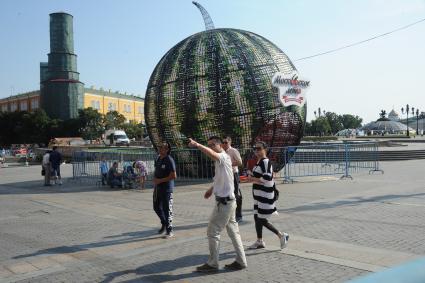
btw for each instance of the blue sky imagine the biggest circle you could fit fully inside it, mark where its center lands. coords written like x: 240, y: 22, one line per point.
x: 118, y: 44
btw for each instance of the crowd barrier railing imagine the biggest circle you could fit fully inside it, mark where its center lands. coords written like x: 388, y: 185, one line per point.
x: 292, y: 162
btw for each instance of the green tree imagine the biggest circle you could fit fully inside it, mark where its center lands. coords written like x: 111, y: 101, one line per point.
x: 90, y: 123
x: 134, y: 130
x: 334, y: 122
x: 114, y: 120
x: 308, y: 129
x: 382, y: 116
x: 350, y: 121
x: 320, y: 126
x: 25, y: 127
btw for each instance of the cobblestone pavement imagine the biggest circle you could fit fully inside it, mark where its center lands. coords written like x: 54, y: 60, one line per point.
x: 339, y: 229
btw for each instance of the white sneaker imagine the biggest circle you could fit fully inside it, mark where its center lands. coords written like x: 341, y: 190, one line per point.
x: 284, y: 240
x: 168, y: 235
x: 257, y: 245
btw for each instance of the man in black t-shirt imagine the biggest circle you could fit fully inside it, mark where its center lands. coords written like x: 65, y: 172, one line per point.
x: 55, y: 161
x: 164, y: 175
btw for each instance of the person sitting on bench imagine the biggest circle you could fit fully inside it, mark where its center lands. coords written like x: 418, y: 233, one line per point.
x: 114, y: 177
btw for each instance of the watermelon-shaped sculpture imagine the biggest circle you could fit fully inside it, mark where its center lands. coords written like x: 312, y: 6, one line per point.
x: 225, y: 82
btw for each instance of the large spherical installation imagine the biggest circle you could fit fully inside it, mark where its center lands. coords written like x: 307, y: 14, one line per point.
x: 219, y: 82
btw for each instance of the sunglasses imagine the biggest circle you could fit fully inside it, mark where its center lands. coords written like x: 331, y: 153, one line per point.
x: 257, y: 148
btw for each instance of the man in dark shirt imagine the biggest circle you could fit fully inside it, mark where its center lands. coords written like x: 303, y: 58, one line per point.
x: 55, y: 160
x: 114, y: 177
x: 164, y: 175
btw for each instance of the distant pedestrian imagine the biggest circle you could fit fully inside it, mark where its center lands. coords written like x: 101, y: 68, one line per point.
x: 235, y: 156
x: 142, y: 172
x: 264, y: 193
x: 104, y: 171
x: 164, y: 175
x: 55, y: 161
x: 47, y: 168
x: 223, y: 215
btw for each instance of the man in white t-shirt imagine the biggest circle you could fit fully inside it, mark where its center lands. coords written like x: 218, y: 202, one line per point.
x: 223, y: 215
x: 235, y: 156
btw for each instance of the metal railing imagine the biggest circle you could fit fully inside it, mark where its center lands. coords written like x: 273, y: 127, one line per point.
x: 330, y: 160
x: 193, y: 166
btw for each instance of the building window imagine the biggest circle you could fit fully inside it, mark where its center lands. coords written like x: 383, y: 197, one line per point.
x: 127, y: 108
x: 4, y: 108
x: 34, y: 104
x: 141, y: 110
x: 95, y: 104
x: 112, y: 106
x: 13, y: 106
x: 23, y: 106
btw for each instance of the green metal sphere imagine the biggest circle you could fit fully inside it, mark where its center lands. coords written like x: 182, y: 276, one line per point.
x: 219, y: 82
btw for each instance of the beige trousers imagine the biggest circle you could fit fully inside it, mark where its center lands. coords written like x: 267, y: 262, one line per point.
x: 223, y: 216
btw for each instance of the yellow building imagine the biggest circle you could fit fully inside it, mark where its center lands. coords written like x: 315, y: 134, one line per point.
x: 28, y: 101
x: 132, y: 107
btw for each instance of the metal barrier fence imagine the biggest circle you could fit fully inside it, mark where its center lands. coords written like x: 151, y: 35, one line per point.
x: 193, y: 166
x: 330, y: 160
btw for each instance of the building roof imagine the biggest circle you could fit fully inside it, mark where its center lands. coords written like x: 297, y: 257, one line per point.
x: 86, y: 90
x: 113, y: 94
x: 393, y: 114
x: 387, y: 126
x: 21, y: 95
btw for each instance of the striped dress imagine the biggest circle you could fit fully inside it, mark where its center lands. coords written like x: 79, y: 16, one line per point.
x: 264, y: 203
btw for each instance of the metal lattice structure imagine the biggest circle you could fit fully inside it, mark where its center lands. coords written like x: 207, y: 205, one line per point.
x: 207, y: 19
x: 219, y: 82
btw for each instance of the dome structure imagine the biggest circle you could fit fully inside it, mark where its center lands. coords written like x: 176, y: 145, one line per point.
x: 219, y: 82
x: 393, y: 116
x: 391, y: 127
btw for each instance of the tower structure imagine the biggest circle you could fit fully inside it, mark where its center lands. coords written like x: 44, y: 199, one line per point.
x: 61, y: 92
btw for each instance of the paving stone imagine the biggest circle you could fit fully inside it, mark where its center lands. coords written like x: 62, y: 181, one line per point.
x: 79, y: 233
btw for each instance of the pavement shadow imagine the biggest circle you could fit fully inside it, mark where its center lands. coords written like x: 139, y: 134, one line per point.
x: 37, y: 187
x: 137, y: 237
x: 123, y: 238
x: 151, y: 270
x: 140, y: 234
x: 353, y: 201
x: 71, y: 185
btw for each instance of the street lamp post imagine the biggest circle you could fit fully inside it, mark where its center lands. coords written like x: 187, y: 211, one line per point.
x: 417, y: 121
x: 407, y: 117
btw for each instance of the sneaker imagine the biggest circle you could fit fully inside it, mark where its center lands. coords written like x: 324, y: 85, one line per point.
x: 284, y: 240
x: 206, y: 268
x: 160, y: 231
x: 257, y: 245
x: 234, y: 266
x: 60, y: 183
x: 168, y: 235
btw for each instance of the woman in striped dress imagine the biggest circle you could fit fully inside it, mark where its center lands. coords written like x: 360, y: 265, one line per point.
x: 264, y: 197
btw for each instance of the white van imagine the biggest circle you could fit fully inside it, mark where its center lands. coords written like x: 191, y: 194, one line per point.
x: 116, y: 137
